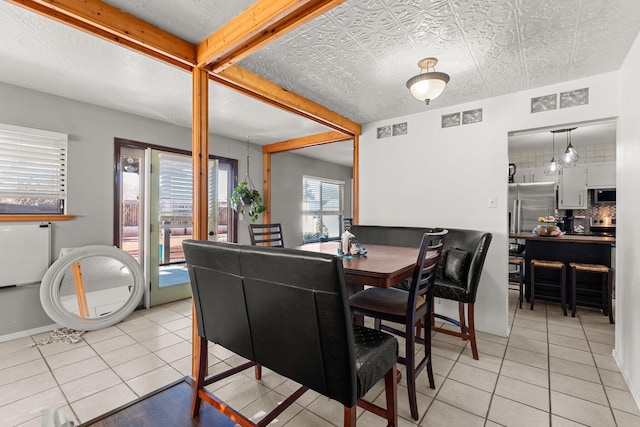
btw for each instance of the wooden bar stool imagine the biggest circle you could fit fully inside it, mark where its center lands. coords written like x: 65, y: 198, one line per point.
x: 607, y: 285
x: 518, y: 275
x: 555, y: 265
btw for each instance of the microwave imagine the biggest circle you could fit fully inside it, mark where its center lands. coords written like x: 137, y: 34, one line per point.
x: 604, y: 195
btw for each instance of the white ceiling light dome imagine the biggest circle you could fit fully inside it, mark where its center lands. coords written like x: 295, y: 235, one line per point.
x: 430, y: 84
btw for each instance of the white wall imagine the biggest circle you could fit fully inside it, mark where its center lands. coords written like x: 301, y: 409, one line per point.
x: 445, y: 177
x: 627, y: 349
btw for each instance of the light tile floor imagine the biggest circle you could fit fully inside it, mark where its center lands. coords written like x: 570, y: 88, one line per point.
x: 551, y: 370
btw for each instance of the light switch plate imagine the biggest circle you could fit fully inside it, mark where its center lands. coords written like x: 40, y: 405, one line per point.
x: 493, y: 201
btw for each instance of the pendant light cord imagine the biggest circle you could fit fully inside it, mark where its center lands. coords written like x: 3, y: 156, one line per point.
x: 248, y: 177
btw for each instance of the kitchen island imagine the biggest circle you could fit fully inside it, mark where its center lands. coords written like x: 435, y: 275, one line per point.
x: 567, y: 248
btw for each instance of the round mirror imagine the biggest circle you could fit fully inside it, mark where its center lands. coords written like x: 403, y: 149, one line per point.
x: 92, y: 287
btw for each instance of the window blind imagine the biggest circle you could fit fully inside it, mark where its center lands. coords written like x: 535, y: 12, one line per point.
x: 176, y: 187
x: 33, y: 170
x: 322, y: 208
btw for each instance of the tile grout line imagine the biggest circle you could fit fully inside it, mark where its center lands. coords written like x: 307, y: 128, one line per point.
x: 597, y: 369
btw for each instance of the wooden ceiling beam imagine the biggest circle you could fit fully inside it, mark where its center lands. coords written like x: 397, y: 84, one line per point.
x: 262, y: 89
x: 256, y: 26
x: 306, y: 141
x: 98, y: 18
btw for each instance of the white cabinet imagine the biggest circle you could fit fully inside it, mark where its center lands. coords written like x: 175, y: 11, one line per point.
x: 601, y: 175
x: 573, y: 188
x: 533, y: 175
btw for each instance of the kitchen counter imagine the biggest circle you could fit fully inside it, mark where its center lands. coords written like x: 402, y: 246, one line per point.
x: 566, y: 238
x: 566, y: 249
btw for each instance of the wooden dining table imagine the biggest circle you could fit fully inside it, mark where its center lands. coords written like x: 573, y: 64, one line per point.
x: 383, y: 266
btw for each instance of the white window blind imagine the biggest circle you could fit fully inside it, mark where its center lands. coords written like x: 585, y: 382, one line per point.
x: 33, y: 170
x: 176, y: 188
x: 322, y: 208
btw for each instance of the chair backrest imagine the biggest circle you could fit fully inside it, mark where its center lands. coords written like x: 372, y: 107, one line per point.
x: 287, y: 310
x: 477, y: 243
x: 346, y: 223
x: 424, y: 273
x: 266, y: 235
x: 390, y: 235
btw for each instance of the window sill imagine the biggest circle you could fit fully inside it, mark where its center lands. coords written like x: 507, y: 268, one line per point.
x: 35, y: 217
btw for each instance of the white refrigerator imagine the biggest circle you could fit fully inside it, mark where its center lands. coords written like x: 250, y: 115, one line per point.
x: 529, y: 201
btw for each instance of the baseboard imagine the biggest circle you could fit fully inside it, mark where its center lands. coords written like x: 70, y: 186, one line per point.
x: 635, y: 393
x: 28, y: 332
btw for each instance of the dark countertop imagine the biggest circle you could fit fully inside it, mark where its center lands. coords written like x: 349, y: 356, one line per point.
x: 566, y: 238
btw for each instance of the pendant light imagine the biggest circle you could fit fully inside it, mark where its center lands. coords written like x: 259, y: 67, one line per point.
x: 570, y: 156
x: 430, y: 84
x: 553, y: 167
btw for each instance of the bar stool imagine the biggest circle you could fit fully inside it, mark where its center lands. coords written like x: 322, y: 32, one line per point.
x: 607, y: 285
x: 555, y: 265
x: 517, y: 276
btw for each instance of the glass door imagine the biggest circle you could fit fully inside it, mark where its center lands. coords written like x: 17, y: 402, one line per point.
x: 154, y: 213
x: 171, y: 222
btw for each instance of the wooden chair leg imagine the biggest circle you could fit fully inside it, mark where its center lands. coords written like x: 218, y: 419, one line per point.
x: 532, y: 287
x: 521, y: 283
x: 391, y: 393
x: 427, y: 349
x: 410, y: 365
x: 563, y: 290
x: 201, y: 371
x: 463, y: 323
x: 610, y: 295
x: 573, y: 291
x: 258, y: 372
x: 605, y: 294
x: 350, y: 416
x: 472, y: 331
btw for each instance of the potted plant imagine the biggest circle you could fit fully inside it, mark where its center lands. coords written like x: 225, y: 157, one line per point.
x: 246, y: 199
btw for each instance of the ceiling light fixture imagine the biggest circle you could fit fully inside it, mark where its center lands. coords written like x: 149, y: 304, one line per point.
x: 570, y: 157
x: 553, y: 167
x: 430, y: 84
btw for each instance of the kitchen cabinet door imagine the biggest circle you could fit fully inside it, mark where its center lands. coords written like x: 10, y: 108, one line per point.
x: 538, y: 175
x: 601, y: 175
x: 573, y: 188
x: 532, y: 175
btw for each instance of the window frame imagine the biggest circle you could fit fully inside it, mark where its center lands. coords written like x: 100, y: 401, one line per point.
x: 320, y: 212
x: 57, y: 150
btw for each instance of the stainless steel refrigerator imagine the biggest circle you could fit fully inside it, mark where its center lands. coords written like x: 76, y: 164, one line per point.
x: 527, y: 202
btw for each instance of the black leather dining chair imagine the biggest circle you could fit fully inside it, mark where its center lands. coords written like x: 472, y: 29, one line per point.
x: 408, y: 309
x: 286, y: 310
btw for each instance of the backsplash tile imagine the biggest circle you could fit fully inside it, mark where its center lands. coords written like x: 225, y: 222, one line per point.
x: 596, y: 153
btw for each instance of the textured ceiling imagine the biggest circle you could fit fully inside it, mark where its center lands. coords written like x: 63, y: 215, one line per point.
x: 354, y: 59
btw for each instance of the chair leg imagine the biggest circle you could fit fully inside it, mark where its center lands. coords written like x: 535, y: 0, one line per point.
x: 391, y: 392
x: 563, y: 290
x: 377, y: 323
x: 350, y: 416
x: 410, y: 365
x: 532, y: 287
x: 604, y: 293
x: 472, y: 331
x: 463, y: 323
x: 258, y: 372
x: 610, y: 295
x: 573, y: 291
x: 427, y: 349
x: 201, y: 371
x: 521, y: 282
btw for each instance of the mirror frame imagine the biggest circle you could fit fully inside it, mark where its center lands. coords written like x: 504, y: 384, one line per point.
x: 50, y: 286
